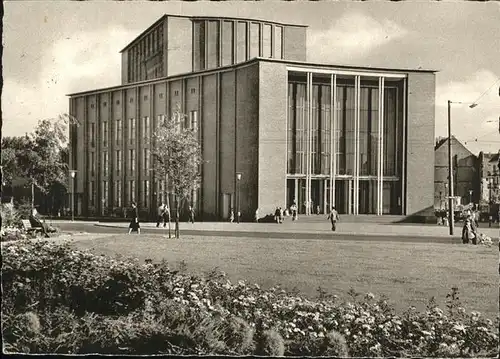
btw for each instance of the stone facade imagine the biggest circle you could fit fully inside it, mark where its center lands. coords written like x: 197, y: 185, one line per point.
x: 241, y: 111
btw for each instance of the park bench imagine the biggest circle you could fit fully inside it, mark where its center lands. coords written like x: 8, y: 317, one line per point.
x: 29, y: 228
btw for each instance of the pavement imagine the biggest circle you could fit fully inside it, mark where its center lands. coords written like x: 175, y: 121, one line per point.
x: 293, y: 229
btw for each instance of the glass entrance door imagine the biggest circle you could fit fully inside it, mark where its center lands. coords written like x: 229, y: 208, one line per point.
x: 318, y: 194
x: 342, y: 195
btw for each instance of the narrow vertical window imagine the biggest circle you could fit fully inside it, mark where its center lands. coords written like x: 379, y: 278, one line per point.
x: 118, y: 193
x: 227, y: 43
x: 193, y: 120
x: 118, y: 132
x: 91, y: 193
x: 213, y: 44
x: 254, y: 40
x: 105, y: 163
x: 131, y: 131
x: 92, y: 134
x: 132, y: 161
x: 266, y: 41
x: 131, y: 192
x: 278, y: 42
x: 199, y: 45
x: 104, y: 194
x: 146, y: 161
x: 104, y: 133
x: 146, y: 128
x: 92, y: 163
x: 241, y: 49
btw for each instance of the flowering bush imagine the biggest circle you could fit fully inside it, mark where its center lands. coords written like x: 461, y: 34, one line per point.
x: 11, y: 217
x: 12, y: 234
x: 78, y: 302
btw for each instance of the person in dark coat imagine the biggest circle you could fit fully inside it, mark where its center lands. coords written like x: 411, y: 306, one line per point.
x: 277, y: 215
x: 134, y: 220
x: 293, y: 209
x: 191, y: 214
x: 161, y: 216
x: 36, y: 222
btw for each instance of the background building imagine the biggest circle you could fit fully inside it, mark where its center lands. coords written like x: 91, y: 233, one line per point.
x: 316, y: 134
x: 489, y: 172
x: 465, y: 174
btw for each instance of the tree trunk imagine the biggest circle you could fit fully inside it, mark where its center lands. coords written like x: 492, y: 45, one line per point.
x: 169, y: 222
x: 177, y: 234
x: 32, y: 194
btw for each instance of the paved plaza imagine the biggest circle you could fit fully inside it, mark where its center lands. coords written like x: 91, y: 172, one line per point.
x: 306, y: 227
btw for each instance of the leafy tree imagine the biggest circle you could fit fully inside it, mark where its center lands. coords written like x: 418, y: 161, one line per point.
x: 40, y: 157
x: 177, y: 156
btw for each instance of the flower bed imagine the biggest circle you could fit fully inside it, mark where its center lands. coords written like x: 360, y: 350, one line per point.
x: 60, y: 300
x: 13, y: 234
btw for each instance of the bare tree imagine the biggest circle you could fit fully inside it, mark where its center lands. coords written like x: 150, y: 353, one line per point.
x: 177, y: 157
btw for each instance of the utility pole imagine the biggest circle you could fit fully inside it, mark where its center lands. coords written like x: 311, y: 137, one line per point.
x: 450, y: 174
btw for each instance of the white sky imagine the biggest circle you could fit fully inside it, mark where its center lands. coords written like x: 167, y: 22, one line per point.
x: 53, y: 48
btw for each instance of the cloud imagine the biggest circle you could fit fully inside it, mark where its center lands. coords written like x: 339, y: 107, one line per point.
x: 84, y: 61
x: 352, y: 37
x: 477, y: 127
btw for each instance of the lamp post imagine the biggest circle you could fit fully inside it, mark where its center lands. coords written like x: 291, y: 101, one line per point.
x: 451, y: 212
x: 490, y: 187
x: 238, y: 179
x: 445, y: 191
x: 450, y: 174
x: 72, y: 174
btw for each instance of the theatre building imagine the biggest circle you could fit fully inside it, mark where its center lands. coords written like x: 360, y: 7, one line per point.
x: 361, y: 139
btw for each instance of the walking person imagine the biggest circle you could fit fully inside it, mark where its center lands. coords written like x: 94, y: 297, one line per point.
x: 161, y: 215
x: 333, y: 216
x: 191, y: 214
x: 256, y: 215
x: 277, y: 215
x: 231, y: 216
x: 134, y: 220
x: 293, y: 209
x: 281, y: 215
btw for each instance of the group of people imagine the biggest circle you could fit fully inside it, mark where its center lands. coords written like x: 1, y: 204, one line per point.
x: 163, y: 215
x: 469, y: 230
x: 279, y: 215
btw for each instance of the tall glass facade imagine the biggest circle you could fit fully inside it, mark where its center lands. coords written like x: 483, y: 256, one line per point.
x: 344, y: 143
x: 227, y: 42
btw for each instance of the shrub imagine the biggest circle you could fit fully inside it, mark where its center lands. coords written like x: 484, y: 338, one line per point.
x: 334, y: 344
x: 271, y: 344
x: 10, y: 216
x: 238, y: 335
x: 268, y: 342
x: 157, y: 310
x: 12, y: 234
x: 21, y: 333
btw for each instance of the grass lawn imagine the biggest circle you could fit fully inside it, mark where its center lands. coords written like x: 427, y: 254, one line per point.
x: 407, y: 273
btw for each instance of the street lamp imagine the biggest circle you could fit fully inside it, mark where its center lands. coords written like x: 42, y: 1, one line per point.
x: 72, y: 174
x: 451, y: 212
x: 238, y: 179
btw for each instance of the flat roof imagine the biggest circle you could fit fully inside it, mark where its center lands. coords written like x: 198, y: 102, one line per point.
x: 249, y: 62
x: 165, y: 16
